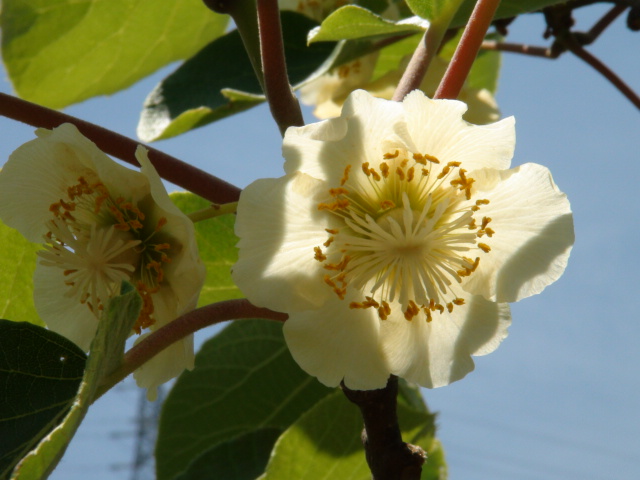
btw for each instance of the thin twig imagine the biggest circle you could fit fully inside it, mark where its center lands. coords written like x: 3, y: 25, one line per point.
x: 605, y: 21
x: 517, y: 48
x: 180, y: 328
x: 284, y: 105
x: 606, y: 72
x: 170, y: 168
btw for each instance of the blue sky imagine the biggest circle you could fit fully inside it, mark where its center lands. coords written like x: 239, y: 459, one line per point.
x: 559, y: 399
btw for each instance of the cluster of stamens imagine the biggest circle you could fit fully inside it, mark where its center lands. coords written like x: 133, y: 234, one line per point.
x: 82, y: 241
x: 401, y: 207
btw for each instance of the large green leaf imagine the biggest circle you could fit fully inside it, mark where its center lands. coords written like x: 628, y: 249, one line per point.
x: 352, y: 22
x: 324, y: 443
x: 196, y: 93
x: 17, y: 264
x: 106, y: 352
x: 243, y: 458
x: 58, y: 52
x: 40, y: 372
x: 217, y: 248
x: 244, y: 380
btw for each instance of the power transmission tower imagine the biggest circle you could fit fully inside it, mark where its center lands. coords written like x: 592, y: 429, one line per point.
x: 143, y: 467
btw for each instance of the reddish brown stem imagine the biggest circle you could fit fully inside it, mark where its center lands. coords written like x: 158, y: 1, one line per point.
x: 467, y: 50
x: 180, y: 328
x: 284, y: 105
x: 606, y: 72
x: 170, y: 168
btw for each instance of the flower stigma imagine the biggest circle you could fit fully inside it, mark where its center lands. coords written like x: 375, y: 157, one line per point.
x: 100, y: 241
x: 408, y: 230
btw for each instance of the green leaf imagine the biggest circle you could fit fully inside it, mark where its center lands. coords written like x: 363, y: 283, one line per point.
x: 17, y: 264
x: 219, y: 81
x: 40, y: 372
x: 352, y: 22
x: 59, y: 52
x: 325, y: 444
x: 506, y: 9
x: 243, y: 458
x: 106, y: 351
x: 217, y: 248
x: 244, y: 380
x: 433, y: 10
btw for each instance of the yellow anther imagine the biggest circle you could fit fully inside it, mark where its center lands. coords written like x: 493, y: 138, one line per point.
x: 489, y: 232
x: 328, y: 242
x: 483, y: 201
x: 453, y: 164
x: 328, y: 281
x: 336, y: 192
x: 425, y: 172
x: 375, y: 175
x: 161, y: 223
x: 458, y: 301
x: 431, y: 158
x: 384, y: 168
x: 440, y: 308
x: 345, y: 175
x: 411, y: 311
x: 68, y: 206
x: 388, y: 156
x: 365, y: 168
x: 384, y: 311
x: 419, y: 158
x: 370, y: 302
x: 387, y: 204
x: 332, y: 231
x: 400, y: 173
x: 472, y: 224
x: 319, y: 256
x: 450, y: 307
x: 410, y: 174
x: 444, y: 172
x: 485, y: 222
x: 484, y: 247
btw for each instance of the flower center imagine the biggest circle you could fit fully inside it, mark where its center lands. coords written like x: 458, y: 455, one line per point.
x: 406, y: 230
x: 99, y: 242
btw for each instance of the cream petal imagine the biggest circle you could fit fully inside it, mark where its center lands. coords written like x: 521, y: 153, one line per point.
x: 533, y: 236
x: 173, y: 360
x: 365, y: 131
x: 186, y: 273
x: 167, y: 364
x: 336, y: 343
x: 437, y: 353
x: 279, y: 225
x: 63, y: 315
x: 36, y: 175
x: 436, y: 128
